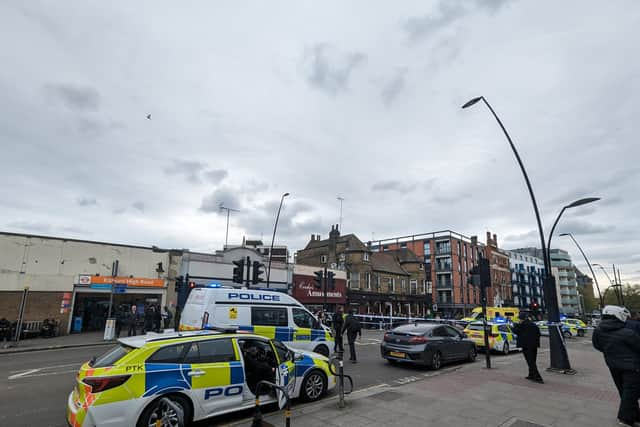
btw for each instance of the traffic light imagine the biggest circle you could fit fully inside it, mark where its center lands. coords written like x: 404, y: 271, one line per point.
x: 258, y: 270
x: 331, y: 284
x: 485, y: 273
x: 238, y: 271
x: 474, y: 277
x: 318, y: 279
x: 179, y: 282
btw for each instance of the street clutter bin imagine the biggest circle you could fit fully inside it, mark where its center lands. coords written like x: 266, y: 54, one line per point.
x: 77, y: 324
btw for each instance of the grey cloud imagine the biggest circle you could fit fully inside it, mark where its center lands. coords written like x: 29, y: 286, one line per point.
x: 521, y: 237
x: 74, y: 230
x: 393, y: 186
x: 221, y: 196
x: 216, y: 176
x: 448, y: 12
x: 296, y: 219
x: 492, y: 6
x: 87, y: 201
x: 34, y: 226
x: 119, y: 211
x: 89, y: 126
x: 76, y: 98
x: 329, y: 70
x: 577, y: 227
x: 190, y: 169
x: 138, y: 206
x: 394, y: 87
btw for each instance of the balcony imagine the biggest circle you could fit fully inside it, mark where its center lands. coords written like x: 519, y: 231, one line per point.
x: 443, y: 284
x: 443, y: 268
x: 569, y: 301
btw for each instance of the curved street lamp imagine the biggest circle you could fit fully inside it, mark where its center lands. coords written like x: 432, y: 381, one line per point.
x: 559, y: 359
x: 569, y: 206
x: 614, y: 285
x: 595, y: 279
x: 273, y: 238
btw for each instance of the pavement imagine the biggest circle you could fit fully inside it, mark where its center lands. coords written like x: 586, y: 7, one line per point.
x: 471, y: 395
x: 87, y: 339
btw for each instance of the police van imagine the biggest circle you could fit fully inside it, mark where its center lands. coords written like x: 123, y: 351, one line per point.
x: 271, y: 314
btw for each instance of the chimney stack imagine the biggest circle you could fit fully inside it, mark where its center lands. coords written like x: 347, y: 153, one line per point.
x: 313, y: 237
x: 495, y: 240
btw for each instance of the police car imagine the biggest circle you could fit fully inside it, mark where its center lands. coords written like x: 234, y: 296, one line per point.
x: 501, y: 337
x: 204, y: 373
x: 271, y: 314
x: 568, y: 330
x: 578, y: 324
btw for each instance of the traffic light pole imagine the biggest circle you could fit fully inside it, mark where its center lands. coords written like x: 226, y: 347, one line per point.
x: 485, y: 282
x: 325, y: 283
x: 248, y: 264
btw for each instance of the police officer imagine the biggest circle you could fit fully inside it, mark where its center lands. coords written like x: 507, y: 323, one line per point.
x: 120, y: 315
x: 353, y: 329
x: 256, y: 367
x: 528, y: 338
x: 338, y: 326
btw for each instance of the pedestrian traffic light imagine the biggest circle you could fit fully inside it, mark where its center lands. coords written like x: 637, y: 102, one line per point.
x: 258, y: 270
x: 238, y: 271
x: 179, y: 282
x: 318, y: 279
x: 331, y: 284
x: 474, y: 277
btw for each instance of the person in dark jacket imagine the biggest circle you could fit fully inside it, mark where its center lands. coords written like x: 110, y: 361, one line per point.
x: 256, y: 367
x: 338, y: 326
x: 528, y: 338
x: 353, y: 330
x: 157, y: 319
x: 621, y: 349
x: 148, y: 318
x: 132, y: 320
x: 120, y: 315
x: 633, y: 322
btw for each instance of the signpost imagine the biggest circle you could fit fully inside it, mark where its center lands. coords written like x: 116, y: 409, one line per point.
x: 23, y: 304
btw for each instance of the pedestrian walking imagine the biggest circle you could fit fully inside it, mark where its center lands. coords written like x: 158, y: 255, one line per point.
x: 621, y: 349
x: 120, y: 314
x: 338, y: 326
x: 148, y: 319
x: 132, y: 320
x: 528, y: 338
x: 157, y: 319
x: 353, y: 330
x: 166, y: 317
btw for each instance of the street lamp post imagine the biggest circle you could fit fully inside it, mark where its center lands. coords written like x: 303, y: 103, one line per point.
x: 595, y: 279
x: 614, y: 285
x: 273, y: 238
x: 226, y: 236
x: 558, y: 353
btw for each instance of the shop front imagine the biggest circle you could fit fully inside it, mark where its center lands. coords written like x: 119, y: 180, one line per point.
x: 92, y: 296
x: 314, y: 298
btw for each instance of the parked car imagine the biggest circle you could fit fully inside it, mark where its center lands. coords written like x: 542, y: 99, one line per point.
x: 568, y: 331
x: 427, y: 344
x: 578, y: 324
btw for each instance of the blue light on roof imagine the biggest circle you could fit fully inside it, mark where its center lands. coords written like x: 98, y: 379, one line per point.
x: 214, y: 285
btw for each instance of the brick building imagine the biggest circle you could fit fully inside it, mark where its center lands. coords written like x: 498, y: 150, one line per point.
x: 500, y: 293
x: 387, y: 283
x: 448, y: 257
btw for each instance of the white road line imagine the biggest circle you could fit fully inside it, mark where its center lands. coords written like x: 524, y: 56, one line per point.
x: 54, y: 367
x: 29, y: 374
x: 22, y: 374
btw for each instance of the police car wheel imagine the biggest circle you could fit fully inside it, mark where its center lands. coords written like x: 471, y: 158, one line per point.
x: 505, y: 348
x: 322, y: 349
x: 314, y: 386
x: 158, y: 411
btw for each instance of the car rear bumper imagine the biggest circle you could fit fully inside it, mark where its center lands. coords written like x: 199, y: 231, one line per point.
x: 403, y: 354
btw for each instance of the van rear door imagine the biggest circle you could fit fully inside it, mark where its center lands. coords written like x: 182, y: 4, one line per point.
x: 194, y: 315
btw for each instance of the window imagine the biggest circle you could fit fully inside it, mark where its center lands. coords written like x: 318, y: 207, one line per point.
x: 504, y: 328
x: 403, y: 245
x: 282, y: 350
x: 427, y: 248
x: 111, y: 356
x: 413, y: 285
x: 303, y: 319
x: 464, y: 248
x: 421, y: 266
x: 440, y: 332
x: 458, y: 247
x: 452, y: 332
x: 323, y: 259
x: 428, y: 286
x: 366, y: 256
x: 354, y: 280
x: 403, y: 286
x: 269, y: 316
x: 377, y: 282
x: 169, y: 354
x: 443, y: 247
x: 341, y: 257
x: 392, y: 284
x: 368, y: 279
x: 214, y: 351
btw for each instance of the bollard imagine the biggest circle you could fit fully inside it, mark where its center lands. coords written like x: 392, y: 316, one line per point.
x: 341, y: 379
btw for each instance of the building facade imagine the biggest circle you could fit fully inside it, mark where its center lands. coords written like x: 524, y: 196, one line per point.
x: 500, y: 292
x: 71, y: 280
x: 314, y: 298
x: 566, y: 284
x: 390, y: 283
x: 448, y: 257
x: 280, y: 252
x: 527, y: 273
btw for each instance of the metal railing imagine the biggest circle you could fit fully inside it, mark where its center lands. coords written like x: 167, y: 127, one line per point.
x: 257, y: 415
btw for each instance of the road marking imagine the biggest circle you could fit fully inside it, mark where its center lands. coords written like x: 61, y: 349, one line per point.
x: 22, y: 374
x: 45, y: 374
x: 53, y: 367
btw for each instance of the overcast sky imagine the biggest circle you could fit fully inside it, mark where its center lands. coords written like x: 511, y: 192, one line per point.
x: 357, y: 99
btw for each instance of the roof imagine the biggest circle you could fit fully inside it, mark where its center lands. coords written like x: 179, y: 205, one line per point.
x: 140, y: 340
x: 404, y: 255
x: 386, y: 262
x: 352, y: 241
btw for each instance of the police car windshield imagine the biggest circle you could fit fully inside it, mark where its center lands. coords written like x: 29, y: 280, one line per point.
x: 111, y: 357
x: 475, y: 327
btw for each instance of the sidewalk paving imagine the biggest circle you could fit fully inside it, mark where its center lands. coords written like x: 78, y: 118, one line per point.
x: 86, y: 339
x: 470, y: 395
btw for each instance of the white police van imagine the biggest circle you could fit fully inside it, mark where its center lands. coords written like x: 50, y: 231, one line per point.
x: 270, y: 314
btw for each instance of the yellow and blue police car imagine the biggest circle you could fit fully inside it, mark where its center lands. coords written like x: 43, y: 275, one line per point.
x: 568, y: 330
x: 579, y: 325
x: 204, y: 373
x: 501, y: 337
